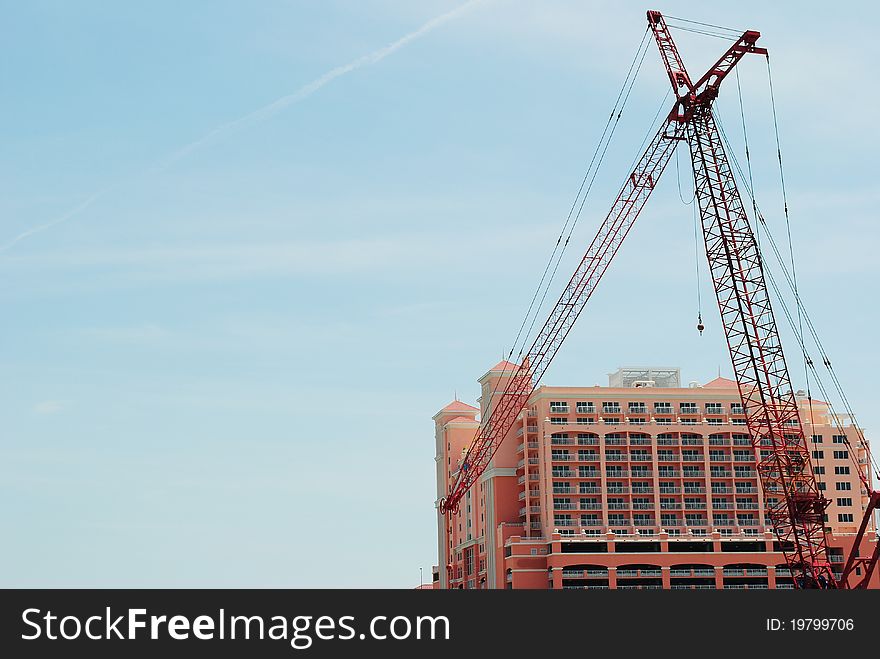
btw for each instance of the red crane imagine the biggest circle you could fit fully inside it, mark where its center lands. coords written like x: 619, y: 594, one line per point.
x: 796, y: 507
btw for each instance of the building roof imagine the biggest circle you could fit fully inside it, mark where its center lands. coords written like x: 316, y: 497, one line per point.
x: 721, y: 383
x: 504, y: 365
x: 458, y: 406
x: 462, y: 419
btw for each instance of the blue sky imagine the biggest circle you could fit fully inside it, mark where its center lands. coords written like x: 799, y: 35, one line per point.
x: 220, y: 369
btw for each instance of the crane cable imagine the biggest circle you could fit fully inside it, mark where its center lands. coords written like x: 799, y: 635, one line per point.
x: 577, y: 216
x: 797, y: 296
x: 697, y: 232
x: 751, y: 186
x: 800, y: 337
x: 762, y: 224
x: 587, y: 182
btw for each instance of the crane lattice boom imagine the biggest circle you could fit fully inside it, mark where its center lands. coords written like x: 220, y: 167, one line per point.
x: 796, y: 507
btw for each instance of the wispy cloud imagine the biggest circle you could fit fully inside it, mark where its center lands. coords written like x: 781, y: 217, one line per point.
x: 261, y: 114
x: 410, y: 253
x: 148, y: 333
x: 73, y: 212
x: 47, y: 407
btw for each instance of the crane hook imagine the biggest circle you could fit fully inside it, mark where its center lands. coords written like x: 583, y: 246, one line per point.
x: 700, y: 326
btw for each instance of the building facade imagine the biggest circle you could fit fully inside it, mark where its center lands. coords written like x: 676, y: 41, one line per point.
x: 643, y: 484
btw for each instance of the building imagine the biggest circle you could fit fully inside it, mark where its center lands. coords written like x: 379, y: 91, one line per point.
x: 634, y: 485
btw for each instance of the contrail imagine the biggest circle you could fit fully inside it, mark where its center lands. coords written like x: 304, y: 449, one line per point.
x: 76, y: 210
x: 264, y: 112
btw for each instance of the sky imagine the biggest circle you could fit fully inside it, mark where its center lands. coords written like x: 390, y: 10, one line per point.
x: 247, y: 250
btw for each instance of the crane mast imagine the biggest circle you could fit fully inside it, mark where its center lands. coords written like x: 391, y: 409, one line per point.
x: 795, y: 506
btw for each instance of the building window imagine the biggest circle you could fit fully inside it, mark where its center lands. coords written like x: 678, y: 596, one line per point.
x: 714, y: 408
x: 818, y: 455
x: 841, y: 470
x: 585, y: 408
x: 844, y: 502
x: 559, y: 407
x: 838, y: 439
x: 688, y: 408
x: 817, y: 439
x: 558, y: 420
x: 842, y: 485
x: 841, y: 455
x: 819, y: 469
x: 845, y: 517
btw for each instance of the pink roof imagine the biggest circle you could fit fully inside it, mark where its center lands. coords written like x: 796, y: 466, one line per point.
x: 504, y: 365
x: 458, y: 406
x: 459, y: 419
x: 720, y: 383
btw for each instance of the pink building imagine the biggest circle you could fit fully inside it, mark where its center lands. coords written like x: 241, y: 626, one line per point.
x: 641, y: 484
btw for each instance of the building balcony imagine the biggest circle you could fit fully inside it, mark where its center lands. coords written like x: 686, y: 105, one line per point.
x: 744, y: 458
x: 591, y: 506
x: 532, y: 444
x: 585, y: 409
x: 565, y: 506
x: 563, y: 490
x: 559, y: 409
x: 639, y: 489
x: 670, y: 490
x: 561, y: 457
x: 640, y: 458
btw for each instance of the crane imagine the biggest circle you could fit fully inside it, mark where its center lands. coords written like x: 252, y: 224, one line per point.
x: 796, y: 507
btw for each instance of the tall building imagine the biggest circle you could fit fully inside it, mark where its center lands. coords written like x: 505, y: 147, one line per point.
x: 641, y: 484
